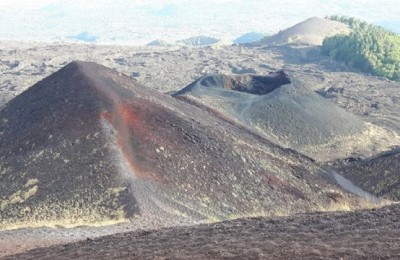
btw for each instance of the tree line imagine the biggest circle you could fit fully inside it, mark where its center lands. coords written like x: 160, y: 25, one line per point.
x: 368, y: 47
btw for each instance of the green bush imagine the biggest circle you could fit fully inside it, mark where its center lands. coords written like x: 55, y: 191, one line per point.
x: 369, y: 48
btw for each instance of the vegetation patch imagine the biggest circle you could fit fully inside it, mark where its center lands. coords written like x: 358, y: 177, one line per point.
x: 370, y: 48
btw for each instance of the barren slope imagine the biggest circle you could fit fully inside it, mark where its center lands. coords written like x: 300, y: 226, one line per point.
x: 89, y: 146
x: 291, y: 115
x: 368, y: 234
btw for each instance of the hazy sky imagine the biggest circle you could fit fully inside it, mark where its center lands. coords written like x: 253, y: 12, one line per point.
x: 140, y: 21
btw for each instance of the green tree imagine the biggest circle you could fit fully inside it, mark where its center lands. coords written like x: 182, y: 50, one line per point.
x: 369, y: 48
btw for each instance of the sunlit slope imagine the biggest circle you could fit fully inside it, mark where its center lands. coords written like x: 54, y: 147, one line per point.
x: 311, y: 31
x: 287, y: 112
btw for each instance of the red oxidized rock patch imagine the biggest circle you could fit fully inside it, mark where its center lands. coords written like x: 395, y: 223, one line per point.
x: 132, y: 138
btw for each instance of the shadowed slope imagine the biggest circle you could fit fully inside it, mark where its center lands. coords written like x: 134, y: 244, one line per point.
x: 252, y: 84
x: 88, y: 145
x: 291, y: 115
x: 379, y: 176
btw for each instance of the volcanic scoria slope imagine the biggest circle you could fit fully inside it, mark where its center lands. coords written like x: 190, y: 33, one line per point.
x: 379, y: 175
x: 286, y: 111
x: 361, y: 234
x: 88, y: 145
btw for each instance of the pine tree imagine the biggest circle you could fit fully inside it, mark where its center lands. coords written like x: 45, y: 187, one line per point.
x: 369, y: 48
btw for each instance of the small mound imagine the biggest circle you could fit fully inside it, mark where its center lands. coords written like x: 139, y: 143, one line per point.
x: 311, y: 32
x: 290, y: 115
x: 84, y: 37
x: 249, y: 38
x: 253, y: 84
x: 198, y: 41
x: 159, y: 43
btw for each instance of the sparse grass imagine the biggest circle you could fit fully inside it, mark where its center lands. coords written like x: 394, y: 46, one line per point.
x: 212, y: 219
x: 338, y: 206
x: 68, y: 214
x: 362, y: 204
x: 64, y: 223
x: 19, y: 197
x: 31, y: 182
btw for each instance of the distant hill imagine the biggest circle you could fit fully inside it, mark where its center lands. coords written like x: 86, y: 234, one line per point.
x: 289, y: 113
x: 311, y: 31
x: 198, y: 41
x: 159, y: 43
x: 249, y: 37
x: 84, y: 37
